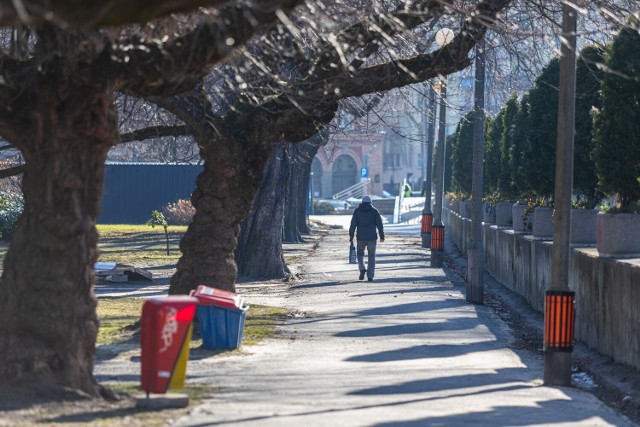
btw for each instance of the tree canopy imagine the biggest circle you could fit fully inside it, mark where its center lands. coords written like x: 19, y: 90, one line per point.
x: 57, y: 108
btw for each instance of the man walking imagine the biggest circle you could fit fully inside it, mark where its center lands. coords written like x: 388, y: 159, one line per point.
x: 366, y: 219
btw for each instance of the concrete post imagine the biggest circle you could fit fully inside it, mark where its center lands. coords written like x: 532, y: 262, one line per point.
x: 475, y: 266
x: 427, y: 215
x: 437, y: 247
x: 557, y: 364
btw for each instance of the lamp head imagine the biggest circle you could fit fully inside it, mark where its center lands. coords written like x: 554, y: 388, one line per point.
x: 444, y: 36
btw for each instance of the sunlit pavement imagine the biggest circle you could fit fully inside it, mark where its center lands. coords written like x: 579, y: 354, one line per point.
x: 404, y: 350
x: 411, y: 228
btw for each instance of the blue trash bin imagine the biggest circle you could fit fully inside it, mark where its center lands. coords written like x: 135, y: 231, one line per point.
x: 220, y: 327
x: 221, y: 315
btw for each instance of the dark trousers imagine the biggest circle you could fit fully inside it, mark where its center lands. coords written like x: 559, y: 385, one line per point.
x: 371, y: 251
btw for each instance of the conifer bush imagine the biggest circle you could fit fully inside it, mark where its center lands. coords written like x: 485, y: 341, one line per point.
x: 617, y: 123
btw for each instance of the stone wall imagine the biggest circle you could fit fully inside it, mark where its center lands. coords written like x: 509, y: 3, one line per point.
x: 607, y: 290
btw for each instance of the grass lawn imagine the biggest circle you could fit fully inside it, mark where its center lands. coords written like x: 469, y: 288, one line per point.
x: 139, y: 245
x: 143, y: 246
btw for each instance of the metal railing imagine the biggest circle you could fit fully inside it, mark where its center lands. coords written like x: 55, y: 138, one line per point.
x: 356, y: 191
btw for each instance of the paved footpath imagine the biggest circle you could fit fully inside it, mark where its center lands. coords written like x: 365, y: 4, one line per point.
x: 404, y: 350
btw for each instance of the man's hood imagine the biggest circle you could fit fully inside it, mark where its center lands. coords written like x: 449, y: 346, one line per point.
x: 365, y: 207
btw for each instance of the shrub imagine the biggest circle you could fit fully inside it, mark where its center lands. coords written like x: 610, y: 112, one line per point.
x: 457, y: 196
x: 588, y: 78
x: 179, y: 213
x: 322, y: 208
x: 157, y: 218
x: 539, y: 154
x: 11, y: 206
x: 462, y: 155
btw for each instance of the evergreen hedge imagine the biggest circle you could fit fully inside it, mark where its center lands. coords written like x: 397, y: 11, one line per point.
x: 617, y: 123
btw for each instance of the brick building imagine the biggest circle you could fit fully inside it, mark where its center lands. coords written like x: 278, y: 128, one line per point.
x: 388, y: 157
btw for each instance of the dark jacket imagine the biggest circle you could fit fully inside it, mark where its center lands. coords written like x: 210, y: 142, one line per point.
x: 366, y: 219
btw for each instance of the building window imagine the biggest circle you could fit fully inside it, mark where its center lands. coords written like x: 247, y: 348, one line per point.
x: 387, y: 161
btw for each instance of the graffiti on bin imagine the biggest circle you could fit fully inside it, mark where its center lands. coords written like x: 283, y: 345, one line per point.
x: 169, y: 329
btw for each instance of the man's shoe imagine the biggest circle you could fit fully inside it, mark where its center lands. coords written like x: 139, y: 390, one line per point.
x: 371, y: 279
x: 362, y: 273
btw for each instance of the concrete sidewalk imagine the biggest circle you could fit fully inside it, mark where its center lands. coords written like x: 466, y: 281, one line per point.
x: 404, y: 350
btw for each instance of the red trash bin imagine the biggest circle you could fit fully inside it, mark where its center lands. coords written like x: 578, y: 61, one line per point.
x: 165, y: 332
x: 208, y: 296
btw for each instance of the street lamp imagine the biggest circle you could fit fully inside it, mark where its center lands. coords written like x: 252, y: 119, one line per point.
x: 559, y: 330
x: 443, y: 37
x: 437, y: 229
x: 430, y: 122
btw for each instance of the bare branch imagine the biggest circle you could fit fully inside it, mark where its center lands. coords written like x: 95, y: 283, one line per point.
x: 444, y: 61
x: 16, y: 170
x: 155, y: 69
x: 153, y: 132
x: 90, y: 14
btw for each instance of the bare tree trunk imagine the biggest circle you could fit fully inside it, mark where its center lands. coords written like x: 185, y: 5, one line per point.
x: 293, y: 203
x: 303, y: 196
x: 222, y: 199
x: 225, y: 189
x: 276, y: 215
x: 301, y: 171
x: 48, y: 321
x: 259, y: 251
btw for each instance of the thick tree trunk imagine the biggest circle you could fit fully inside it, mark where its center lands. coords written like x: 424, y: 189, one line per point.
x: 259, y: 252
x: 303, y: 223
x: 298, y: 198
x: 222, y: 198
x: 303, y: 196
x: 307, y: 150
x: 225, y: 189
x: 235, y: 150
x: 48, y: 322
x: 272, y: 219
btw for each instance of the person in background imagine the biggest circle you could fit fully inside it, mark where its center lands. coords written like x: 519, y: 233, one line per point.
x: 366, y: 219
x: 407, y: 190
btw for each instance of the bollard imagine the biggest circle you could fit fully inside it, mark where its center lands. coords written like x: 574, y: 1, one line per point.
x: 427, y: 219
x: 559, y: 320
x: 437, y: 246
x: 165, y: 332
x: 437, y: 238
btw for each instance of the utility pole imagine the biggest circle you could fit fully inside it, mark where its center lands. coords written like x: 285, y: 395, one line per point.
x: 427, y: 215
x: 475, y: 267
x: 559, y: 316
x: 437, y: 229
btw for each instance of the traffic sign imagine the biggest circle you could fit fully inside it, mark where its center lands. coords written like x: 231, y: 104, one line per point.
x: 364, y: 172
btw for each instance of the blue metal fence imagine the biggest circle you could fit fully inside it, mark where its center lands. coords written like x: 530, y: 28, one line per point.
x: 133, y: 190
